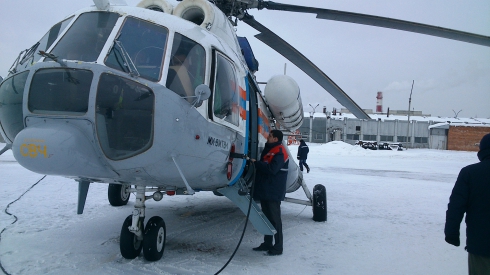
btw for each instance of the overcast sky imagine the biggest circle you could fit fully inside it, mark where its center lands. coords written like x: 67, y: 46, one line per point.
x: 450, y: 76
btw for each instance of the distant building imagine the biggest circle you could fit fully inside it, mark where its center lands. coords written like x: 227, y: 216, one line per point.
x: 459, y: 137
x: 422, y: 131
x: 391, y: 112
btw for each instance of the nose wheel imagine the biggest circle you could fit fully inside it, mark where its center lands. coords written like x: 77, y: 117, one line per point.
x: 129, y: 243
x: 136, y: 237
x: 154, y: 239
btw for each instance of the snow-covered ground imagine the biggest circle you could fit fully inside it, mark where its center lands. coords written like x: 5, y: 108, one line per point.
x: 386, y: 212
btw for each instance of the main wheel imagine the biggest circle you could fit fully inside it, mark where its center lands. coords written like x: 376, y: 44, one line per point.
x: 129, y: 244
x: 319, y: 203
x: 118, y: 194
x: 154, y: 240
x: 216, y: 193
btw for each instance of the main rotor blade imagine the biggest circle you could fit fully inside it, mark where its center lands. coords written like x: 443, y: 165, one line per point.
x: 298, y: 59
x: 384, y: 22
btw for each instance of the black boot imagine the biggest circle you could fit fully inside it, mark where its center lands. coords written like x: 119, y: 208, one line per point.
x: 262, y: 247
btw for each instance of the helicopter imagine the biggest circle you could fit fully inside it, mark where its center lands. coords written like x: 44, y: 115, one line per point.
x: 162, y: 100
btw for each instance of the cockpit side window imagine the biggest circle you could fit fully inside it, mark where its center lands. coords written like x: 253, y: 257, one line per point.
x: 11, y: 97
x: 86, y: 37
x: 226, y: 97
x: 142, y: 43
x: 186, y: 67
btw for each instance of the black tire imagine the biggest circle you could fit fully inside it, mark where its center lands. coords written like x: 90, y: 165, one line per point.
x: 129, y: 244
x: 154, y: 240
x: 118, y: 194
x: 319, y: 203
x: 216, y: 193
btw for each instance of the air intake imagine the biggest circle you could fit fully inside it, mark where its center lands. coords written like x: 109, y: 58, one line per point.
x: 199, y: 12
x: 156, y: 5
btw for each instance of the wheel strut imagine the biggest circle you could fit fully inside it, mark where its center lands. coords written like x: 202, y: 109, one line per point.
x: 131, y: 239
x: 138, y: 212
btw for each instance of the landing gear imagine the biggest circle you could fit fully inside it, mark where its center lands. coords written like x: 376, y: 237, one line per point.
x: 135, y: 237
x: 319, y: 203
x: 129, y: 243
x: 118, y: 194
x: 216, y: 193
x: 154, y: 240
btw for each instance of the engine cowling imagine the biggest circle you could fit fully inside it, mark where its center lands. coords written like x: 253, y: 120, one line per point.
x: 284, y: 99
x: 197, y: 11
x: 156, y: 5
x: 210, y: 17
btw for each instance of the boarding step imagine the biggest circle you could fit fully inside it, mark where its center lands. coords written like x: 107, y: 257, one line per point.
x: 257, y: 218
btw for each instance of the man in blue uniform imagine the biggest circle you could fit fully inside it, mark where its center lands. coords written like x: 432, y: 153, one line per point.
x: 270, y: 188
x: 303, y: 151
x: 471, y: 195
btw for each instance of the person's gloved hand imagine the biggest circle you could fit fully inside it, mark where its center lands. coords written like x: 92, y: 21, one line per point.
x: 297, y: 157
x: 452, y: 240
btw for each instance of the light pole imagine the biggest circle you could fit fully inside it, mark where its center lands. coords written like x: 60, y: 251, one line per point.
x: 326, y: 123
x: 311, y: 120
x: 409, y: 102
x: 456, y: 114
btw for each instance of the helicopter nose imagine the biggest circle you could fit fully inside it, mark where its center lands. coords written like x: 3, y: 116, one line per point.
x: 54, y: 149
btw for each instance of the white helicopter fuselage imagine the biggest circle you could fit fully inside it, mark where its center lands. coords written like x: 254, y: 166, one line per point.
x: 137, y: 126
x: 150, y: 99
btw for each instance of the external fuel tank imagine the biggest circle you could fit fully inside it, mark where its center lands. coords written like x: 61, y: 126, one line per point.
x: 283, y: 97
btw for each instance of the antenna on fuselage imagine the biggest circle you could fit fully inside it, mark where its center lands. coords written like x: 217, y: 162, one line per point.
x: 105, y: 4
x: 102, y: 4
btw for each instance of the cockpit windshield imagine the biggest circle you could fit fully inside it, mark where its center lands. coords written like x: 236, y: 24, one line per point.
x: 51, y: 36
x: 141, y: 43
x: 86, y: 37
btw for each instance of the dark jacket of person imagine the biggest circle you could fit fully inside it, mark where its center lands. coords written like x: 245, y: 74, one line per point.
x: 471, y: 195
x: 272, y: 173
x: 303, y: 150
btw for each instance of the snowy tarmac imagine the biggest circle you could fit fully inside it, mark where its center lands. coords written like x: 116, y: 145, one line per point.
x: 386, y: 214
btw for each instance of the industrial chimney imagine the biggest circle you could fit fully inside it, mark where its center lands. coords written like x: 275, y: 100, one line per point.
x: 379, y: 102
